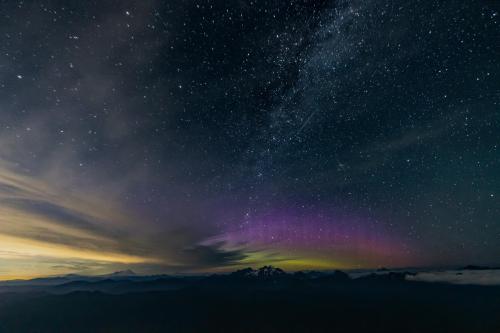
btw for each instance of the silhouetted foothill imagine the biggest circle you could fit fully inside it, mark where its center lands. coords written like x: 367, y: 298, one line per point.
x: 336, y: 276
x: 246, y: 272
x: 476, y: 268
x: 389, y: 277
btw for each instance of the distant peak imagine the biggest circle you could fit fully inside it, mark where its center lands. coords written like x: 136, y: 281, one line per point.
x: 127, y: 272
x: 268, y: 271
x: 263, y: 272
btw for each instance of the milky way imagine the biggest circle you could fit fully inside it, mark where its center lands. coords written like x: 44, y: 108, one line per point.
x: 194, y: 136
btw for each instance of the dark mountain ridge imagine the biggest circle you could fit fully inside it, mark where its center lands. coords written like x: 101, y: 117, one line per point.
x: 128, y: 281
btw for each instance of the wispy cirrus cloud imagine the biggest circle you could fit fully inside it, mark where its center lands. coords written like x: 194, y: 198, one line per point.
x: 46, y: 230
x: 37, y: 219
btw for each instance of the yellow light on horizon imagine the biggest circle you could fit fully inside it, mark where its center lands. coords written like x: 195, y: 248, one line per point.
x: 32, y: 248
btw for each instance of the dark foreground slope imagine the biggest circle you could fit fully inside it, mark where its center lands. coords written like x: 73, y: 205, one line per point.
x: 271, y: 305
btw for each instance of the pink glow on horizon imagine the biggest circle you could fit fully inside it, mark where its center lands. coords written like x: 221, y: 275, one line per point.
x: 336, y: 236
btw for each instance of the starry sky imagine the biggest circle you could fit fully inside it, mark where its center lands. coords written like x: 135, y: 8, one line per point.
x: 188, y: 136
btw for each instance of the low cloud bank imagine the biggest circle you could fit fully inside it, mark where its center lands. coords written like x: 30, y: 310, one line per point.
x: 480, y: 277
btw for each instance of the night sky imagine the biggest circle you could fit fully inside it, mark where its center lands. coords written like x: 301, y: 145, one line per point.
x: 202, y: 136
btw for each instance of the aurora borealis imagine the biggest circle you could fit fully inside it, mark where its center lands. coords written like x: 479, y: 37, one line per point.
x: 201, y: 136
